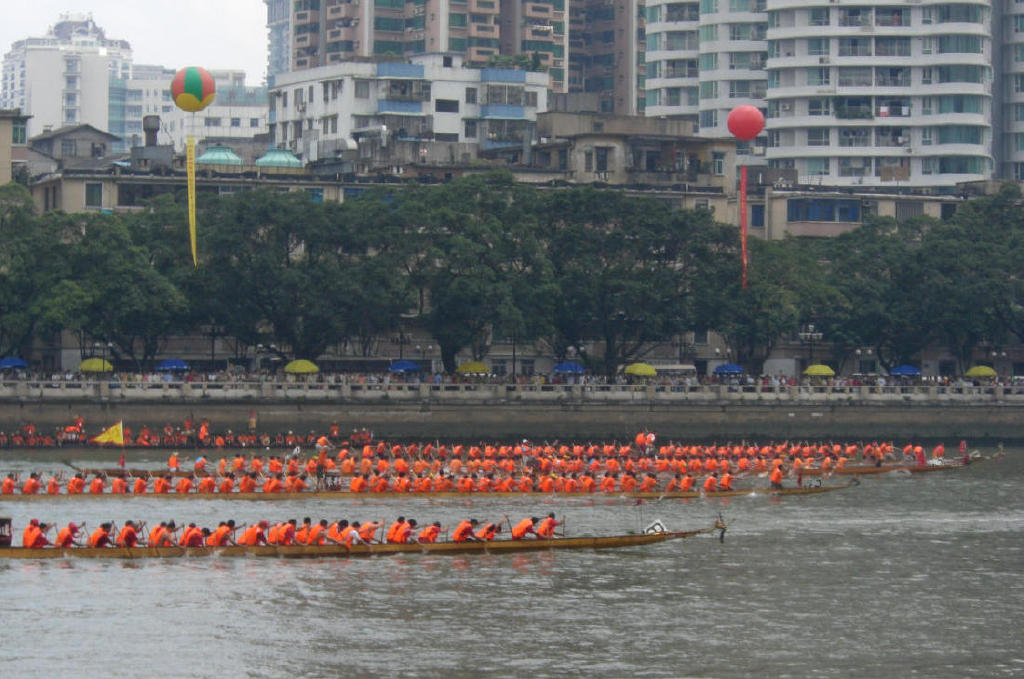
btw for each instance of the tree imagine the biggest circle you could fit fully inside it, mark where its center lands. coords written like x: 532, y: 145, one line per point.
x: 625, y: 270
x: 127, y: 302
x: 276, y: 270
x: 482, y: 265
x: 878, y: 270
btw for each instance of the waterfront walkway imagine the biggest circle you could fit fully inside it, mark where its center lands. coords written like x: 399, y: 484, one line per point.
x: 87, y: 391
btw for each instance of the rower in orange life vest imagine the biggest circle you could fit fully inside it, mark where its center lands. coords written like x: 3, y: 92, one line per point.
x: 100, y: 537
x: 711, y: 483
x: 9, y: 484
x: 31, y: 486
x: 129, y: 535
x: 725, y: 483
x: 66, y: 536
x: 254, y: 534
x: 34, y: 534
x: 223, y: 535
x: 776, y: 478
x: 488, y: 531
x: 524, y: 528
x: 429, y: 534
x: 546, y: 527
x: 464, y: 531
x: 162, y: 535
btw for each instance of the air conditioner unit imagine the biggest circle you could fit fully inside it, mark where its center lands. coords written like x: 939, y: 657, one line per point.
x: 300, y: 107
x: 823, y: 60
x: 786, y: 107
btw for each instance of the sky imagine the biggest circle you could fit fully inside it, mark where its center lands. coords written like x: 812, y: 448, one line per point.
x: 228, y: 34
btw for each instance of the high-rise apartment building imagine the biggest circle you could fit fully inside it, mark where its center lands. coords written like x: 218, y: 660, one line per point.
x: 857, y: 92
x: 585, y: 46
x: 878, y: 93
x: 704, y: 58
x: 63, y: 78
x: 1010, y: 152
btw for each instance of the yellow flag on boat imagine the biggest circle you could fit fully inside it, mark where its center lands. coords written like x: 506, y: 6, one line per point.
x: 113, y: 435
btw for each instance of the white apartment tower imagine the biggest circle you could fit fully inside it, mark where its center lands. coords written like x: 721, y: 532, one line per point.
x: 62, y: 78
x: 704, y: 58
x: 672, y: 83
x: 731, y: 62
x: 1012, y: 93
x: 881, y: 93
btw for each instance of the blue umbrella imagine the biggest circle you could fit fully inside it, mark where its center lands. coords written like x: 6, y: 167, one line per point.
x: 404, y: 366
x: 729, y: 369
x: 905, y: 370
x: 172, y: 365
x: 569, y: 368
x: 13, y: 362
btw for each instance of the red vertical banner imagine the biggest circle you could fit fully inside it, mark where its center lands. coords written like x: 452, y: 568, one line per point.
x: 743, y: 221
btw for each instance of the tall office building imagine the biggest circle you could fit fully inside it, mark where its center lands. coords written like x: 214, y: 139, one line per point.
x: 63, y: 77
x: 879, y: 93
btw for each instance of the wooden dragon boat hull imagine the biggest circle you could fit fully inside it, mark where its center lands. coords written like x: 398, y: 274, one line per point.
x: 440, y: 495
x: 864, y: 470
x: 324, y: 551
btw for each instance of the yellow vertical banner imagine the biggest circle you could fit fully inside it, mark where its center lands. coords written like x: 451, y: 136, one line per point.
x: 190, y: 170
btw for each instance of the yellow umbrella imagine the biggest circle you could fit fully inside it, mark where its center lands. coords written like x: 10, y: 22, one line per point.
x: 301, y: 367
x: 641, y: 370
x: 980, y: 371
x: 473, y: 368
x: 819, y: 370
x: 95, y: 365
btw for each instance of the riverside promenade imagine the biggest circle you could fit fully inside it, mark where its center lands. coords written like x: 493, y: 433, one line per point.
x: 493, y: 411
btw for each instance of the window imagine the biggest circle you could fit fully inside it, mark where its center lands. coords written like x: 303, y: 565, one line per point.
x: 968, y: 44
x: 68, y: 148
x: 470, y: 129
x: 855, y: 76
x: 254, y: 122
x: 817, y: 47
x: 961, y: 103
x: 819, y: 107
x: 18, y: 132
x: 817, y: 167
x: 709, y: 33
x: 470, y: 95
x: 818, y: 16
x: 757, y: 216
x: 708, y: 6
x: 212, y: 122
x: 926, y: 106
x: 446, y: 105
x: 926, y: 76
x: 93, y: 194
x: 818, y: 136
x: 718, y: 163
x: 362, y: 89
x: 817, y: 77
x: 926, y: 136
x: 236, y: 122
x: 708, y: 119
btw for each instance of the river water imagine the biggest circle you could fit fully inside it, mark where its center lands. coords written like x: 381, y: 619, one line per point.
x: 903, y: 576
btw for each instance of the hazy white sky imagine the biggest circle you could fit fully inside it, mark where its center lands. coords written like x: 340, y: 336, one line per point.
x: 171, y: 33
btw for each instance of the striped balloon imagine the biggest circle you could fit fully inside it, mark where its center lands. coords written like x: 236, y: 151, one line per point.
x: 193, y: 89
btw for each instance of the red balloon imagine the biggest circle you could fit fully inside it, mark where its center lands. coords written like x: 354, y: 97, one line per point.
x: 745, y: 122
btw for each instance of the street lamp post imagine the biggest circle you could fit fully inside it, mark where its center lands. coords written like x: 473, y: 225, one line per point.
x: 808, y: 335
x: 421, y: 350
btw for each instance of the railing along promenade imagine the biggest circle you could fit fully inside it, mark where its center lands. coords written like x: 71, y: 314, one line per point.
x: 87, y: 391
